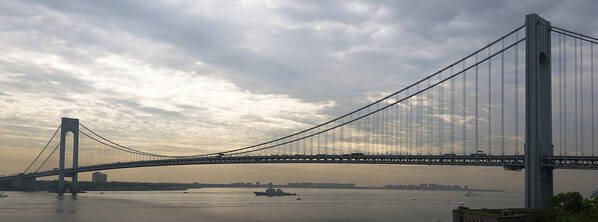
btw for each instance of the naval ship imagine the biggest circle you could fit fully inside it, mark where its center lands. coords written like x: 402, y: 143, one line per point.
x: 271, y: 192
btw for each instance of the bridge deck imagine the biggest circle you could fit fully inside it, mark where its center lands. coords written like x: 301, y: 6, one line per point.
x: 513, y: 162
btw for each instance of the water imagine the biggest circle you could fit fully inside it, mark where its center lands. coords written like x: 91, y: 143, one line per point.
x: 240, y: 204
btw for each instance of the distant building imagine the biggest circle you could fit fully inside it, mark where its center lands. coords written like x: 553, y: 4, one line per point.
x: 321, y: 185
x: 464, y: 214
x: 334, y: 185
x: 300, y: 185
x: 98, y: 177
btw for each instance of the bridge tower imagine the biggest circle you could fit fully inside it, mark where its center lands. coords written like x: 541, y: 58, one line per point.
x: 68, y: 125
x: 538, y: 112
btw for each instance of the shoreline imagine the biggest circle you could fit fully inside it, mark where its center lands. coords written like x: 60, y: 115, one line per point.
x: 49, y: 185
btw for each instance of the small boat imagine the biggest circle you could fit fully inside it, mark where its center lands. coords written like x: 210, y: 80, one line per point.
x: 470, y: 194
x: 185, y: 192
x: 101, y: 192
x: 460, y: 203
x: 271, y: 192
x: 298, y: 197
x: 3, y: 195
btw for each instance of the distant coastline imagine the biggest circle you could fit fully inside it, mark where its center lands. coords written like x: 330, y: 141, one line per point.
x: 432, y: 187
x: 45, y: 185
x: 50, y: 185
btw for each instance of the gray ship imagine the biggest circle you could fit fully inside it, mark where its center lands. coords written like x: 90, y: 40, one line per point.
x: 271, y: 192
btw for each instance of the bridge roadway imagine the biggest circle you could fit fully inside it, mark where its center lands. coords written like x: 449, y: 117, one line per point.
x: 511, y: 162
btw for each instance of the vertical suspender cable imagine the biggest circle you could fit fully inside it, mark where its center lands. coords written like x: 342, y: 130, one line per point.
x: 502, y: 98
x: 489, y: 101
x: 391, y: 128
x: 430, y: 114
x: 476, y: 106
x: 297, y: 146
x: 405, y: 130
x: 419, y: 114
x: 397, y: 121
x: 592, y: 92
x: 369, y: 132
x: 410, y: 122
x: 440, y: 112
x: 376, y: 130
x: 384, y: 130
x: 388, y: 127
x: 575, y: 87
x: 319, y: 144
x: 566, y: 139
x: 394, y: 128
x: 464, y: 107
x: 581, y: 95
x: 359, y: 132
x: 415, y: 120
x: 374, y: 133
x: 383, y: 126
x: 452, y: 107
x: 326, y: 142
x: 342, y: 144
x: 560, y: 98
x: 311, y: 145
x: 352, y: 138
x: 516, y: 95
x: 401, y: 123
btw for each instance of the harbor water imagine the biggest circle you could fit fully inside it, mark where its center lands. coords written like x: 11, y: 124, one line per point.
x: 241, y: 204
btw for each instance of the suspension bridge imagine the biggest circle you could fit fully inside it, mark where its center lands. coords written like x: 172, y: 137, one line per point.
x: 524, y: 101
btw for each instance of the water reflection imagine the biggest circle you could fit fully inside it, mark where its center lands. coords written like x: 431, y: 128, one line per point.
x: 240, y: 204
x: 66, y: 205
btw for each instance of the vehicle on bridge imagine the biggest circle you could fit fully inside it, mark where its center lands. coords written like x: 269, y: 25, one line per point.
x: 479, y: 153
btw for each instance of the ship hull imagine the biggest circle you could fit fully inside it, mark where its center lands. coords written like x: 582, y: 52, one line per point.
x: 273, y: 195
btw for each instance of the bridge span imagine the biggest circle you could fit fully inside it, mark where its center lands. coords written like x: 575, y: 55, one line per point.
x: 498, y: 106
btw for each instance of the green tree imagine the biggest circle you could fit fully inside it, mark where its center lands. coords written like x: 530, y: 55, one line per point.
x: 570, y: 207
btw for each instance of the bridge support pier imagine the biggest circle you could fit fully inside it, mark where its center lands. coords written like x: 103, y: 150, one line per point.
x: 538, y: 112
x: 68, y: 125
x: 26, y: 183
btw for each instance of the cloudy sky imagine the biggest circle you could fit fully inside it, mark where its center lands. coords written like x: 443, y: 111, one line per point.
x: 187, y: 77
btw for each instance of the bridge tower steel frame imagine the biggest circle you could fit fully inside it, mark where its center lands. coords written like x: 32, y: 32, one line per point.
x: 68, y: 125
x: 538, y: 112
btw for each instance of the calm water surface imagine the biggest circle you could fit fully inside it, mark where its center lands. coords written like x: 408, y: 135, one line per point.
x: 240, y: 204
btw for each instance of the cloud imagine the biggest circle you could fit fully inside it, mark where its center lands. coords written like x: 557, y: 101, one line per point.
x: 134, y: 100
x: 139, y: 59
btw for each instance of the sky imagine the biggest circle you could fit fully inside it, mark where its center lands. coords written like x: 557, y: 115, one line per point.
x: 188, y: 77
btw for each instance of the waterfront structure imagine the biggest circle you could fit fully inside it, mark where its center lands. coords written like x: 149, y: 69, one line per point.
x: 99, y: 178
x: 464, y: 214
x: 321, y: 185
x: 403, y: 129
